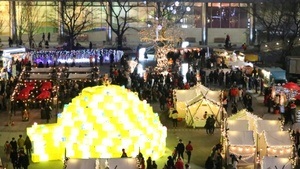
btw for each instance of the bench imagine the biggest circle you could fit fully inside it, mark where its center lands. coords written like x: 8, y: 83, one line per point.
x: 219, y: 40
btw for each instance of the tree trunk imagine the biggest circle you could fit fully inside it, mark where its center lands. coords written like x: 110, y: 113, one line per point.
x: 119, y: 42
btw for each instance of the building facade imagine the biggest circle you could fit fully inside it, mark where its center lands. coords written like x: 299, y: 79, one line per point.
x: 203, y: 23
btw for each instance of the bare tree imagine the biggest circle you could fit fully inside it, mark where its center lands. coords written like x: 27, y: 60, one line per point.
x: 29, y: 21
x: 76, y: 16
x: 118, y: 19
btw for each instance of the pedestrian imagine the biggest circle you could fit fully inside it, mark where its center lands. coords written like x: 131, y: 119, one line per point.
x: 48, y: 110
x: 162, y: 101
x: 170, y: 163
x: 111, y: 57
x: 91, y: 45
x: 7, y: 150
x: 48, y: 36
x: 188, y: 150
x: 14, y: 158
x: 14, y: 144
x: 149, y: 163
x: 212, y: 125
x: 209, y: 163
x: 207, y: 125
x: 180, y: 149
x: 175, y: 118
x: 23, y: 159
x: 154, y: 165
x: 43, y: 37
x: 10, y: 42
x: 28, y: 146
x: 179, y: 164
x: 234, y: 108
x: 124, y: 154
x: 21, y: 142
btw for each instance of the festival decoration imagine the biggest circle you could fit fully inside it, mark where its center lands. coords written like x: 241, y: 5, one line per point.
x: 99, y: 123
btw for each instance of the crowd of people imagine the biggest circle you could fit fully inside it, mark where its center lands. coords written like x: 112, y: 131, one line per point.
x: 18, y: 152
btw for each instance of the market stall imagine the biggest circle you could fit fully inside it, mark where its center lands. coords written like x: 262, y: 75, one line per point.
x: 276, y: 143
x: 192, y: 95
x: 245, y: 115
x: 241, y: 144
x: 196, y: 109
x: 237, y: 125
x: 276, y: 163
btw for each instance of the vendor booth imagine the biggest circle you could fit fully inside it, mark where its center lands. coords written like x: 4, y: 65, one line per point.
x: 276, y: 163
x: 272, y: 75
x: 276, y: 143
x: 196, y: 109
x: 244, y: 115
x: 194, y: 94
x: 237, y: 125
x: 241, y: 144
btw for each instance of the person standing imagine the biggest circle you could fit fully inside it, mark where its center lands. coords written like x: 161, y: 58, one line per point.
x: 48, y: 36
x: 175, y: 118
x: 23, y: 159
x: 43, y: 37
x: 14, y: 158
x: 14, y: 144
x: 21, y: 142
x: 154, y: 165
x: 149, y: 163
x: 179, y: 164
x: 7, y: 149
x: 188, y: 150
x: 180, y: 149
x: 124, y: 154
x: 207, y: 125
x: 212, y: 124
x: 48, y: 110
x: 28, y: 146
x: 10, y: 42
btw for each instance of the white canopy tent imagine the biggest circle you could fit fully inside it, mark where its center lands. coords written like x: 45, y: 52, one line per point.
x: 245, y: 115
x: 275, y: 163
x: 276, y: 143
x: 237, y: 125
x: 183, y: 98
x: 241, y: 143
x: 41, y: 70
x: 197, y: 108
x: 267, y: 125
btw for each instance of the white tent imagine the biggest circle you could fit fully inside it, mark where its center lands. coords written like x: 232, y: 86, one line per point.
x: 276, y: 143
x: 237, y: 125
x: 182, y: 98
x: 196, y: 110
x: 275, y: 163
x: 41, y: 70
x: 80, y: 76
x: 241, y: 143
x: 40, y: 76
x: 267, y: 125
x: 245, y: 115
x: 80, y: 69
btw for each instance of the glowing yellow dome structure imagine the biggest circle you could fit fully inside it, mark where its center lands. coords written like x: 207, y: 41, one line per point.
x: 99, y: 123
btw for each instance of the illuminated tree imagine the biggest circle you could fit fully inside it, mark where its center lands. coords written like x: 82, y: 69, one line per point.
x: 29, y: 21
x: 164, y: 28
x: 117, y: 17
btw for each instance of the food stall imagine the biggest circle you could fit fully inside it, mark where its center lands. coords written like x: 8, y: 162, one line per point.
x: 272, y: 75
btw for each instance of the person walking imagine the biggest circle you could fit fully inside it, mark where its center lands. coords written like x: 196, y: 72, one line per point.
x: 207, y: 125
x: 28, y: 146
x: 154, y: 165
x: 180, y: 149
x: 179, y: 164
x: 188, y: 150
x: 48, y: 36
x: 14, y: 158
x: 124, y: 154
x: 212, y: 124
x: 43, y: 37
x: 175, y: 118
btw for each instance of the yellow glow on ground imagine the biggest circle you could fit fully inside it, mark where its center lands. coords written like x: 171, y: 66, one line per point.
x: 98, y: 124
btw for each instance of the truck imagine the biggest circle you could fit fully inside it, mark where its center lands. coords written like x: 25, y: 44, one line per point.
x: 293, y: 68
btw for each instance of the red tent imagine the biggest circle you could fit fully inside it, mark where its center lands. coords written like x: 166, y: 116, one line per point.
x: 25, y: 93
x: 46, y: 86
x: 291, y: 86
x: 43, y: 95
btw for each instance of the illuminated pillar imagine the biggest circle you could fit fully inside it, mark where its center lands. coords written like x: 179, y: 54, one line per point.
x: 109, y: 18
x: 13, y: 20
x: 60, y: 20
x: 252, y: 31
x: 204, y: 23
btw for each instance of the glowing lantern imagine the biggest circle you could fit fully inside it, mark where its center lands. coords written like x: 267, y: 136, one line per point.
x: 98, y: 124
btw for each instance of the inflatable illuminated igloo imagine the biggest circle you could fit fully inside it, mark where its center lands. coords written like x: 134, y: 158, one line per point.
x: 99, y: 123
